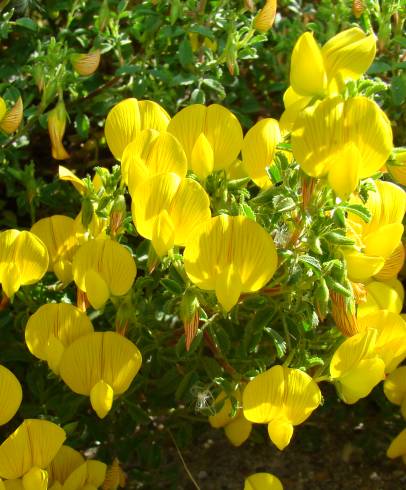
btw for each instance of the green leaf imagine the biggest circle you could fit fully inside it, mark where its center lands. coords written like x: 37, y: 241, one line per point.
x: 280, y: 344
x: 211, y: 367
x: 359, y: 210
x: 214, y: 85
x: 398, y: 88
x: 27, y: 23
x: 338, y: 238
x: 82, y: 124
x: 310, y: 260
x: 172, y: 286
x: 185, y: 385
x: 185, y: 53
x: 197, y: 96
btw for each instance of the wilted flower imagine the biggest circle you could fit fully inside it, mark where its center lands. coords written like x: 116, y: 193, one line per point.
x: 355, y: 366
x: 28, y: 451
x: 237, y: 428
x: 333, y: 140
x: 394, y: 388
x: 152, y: 153
x: 230, y: 255
x: 281, y: 397
x: 56, y: 127
x: 86, y: 63
x: 266, y: 16
x: 23, y: 260
x: 11, y: 395
x: 52, y: 328
x: 103, y: 268
x: 101, y: 365
x: 58, y: 235
x: 115, y: 477
x: 11, y: 120
x: 130, y: 116
x: 166, y: 209
x: 211, y: 137
x: 258, y: 150
x: 262, y: 481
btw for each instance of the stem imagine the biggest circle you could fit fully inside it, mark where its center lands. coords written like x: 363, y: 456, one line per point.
x: 218, y: 355
x: 183, y: 461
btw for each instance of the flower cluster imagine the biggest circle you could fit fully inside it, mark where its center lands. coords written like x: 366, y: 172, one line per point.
x: 237, y: 216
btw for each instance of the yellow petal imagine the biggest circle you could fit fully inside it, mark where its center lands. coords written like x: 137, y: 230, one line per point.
x: 228, y: 287
x: 222, y: 417
x: 189, y: 208
x: 397, y: 446
x: 101, y: 398
x: 112, y: 261
x: 163, y: 233
x: 349, y: 54
x: 265, y: 18
x: 221, y: 128
x: 344, y: 171
x: 97, y: 290
x: 64, y: 463
x: 3, y: 108
x: 33, y: 443
x: 129, y: 117
x: 152, y: 153
x: 150, y: 198
x: 262, y: 481
x: 307, y: 72
x: 63, y: 321
x: 393, y: 264
x: 35, y: 479
x: 226, y: 240
x: 383, y: 241
x: 381, y: 296
x: 10, y: 395
x: 55, y: 350
x: 280, y: 432
x: 361, y: 267
x: 395, y: 386
x: 202, y: 157
x: 65, y: 174
x: 258, y: 149
x: 105, y: 356
x: 238, y: 430
x: 360, y: 381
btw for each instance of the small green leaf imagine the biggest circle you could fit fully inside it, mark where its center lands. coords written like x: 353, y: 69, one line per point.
x: 214, y: 85
x: 185, y: 53
x: 27, y: 23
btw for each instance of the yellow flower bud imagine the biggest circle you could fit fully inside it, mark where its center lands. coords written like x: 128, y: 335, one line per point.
x: 12, y: 120
x: 56, y: 128
x: 265, y: 17
x: 86, y: 64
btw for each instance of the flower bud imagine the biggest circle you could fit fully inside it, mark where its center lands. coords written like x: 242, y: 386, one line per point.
x: 343, y: 315
x: 56, y: 128
x: 189, y: 314
x: 39, y: 77
x: 87, y: 212
x: 49, y: 93
x: 117, y: 214
x: 86, y: 64
x: 265, y: 17
x: 358, y: 8
x: 12, y: 120
x: 249, y: 4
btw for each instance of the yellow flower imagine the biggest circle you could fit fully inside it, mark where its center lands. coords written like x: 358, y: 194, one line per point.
x: 57, y: 233
x: 101, y: 365
x: 355, y: 366
x: 28, y: 451
x: 236, y: 428
x: 386, y: 295
x: 127, y: 118
x: 103, y: 268
x: 390, y: 343
x: 376, y: 241
x: 56, y: 127
x: 321, y: 72
x: 86, y: 63
x: 89, y: 475
x: 230, y: 255
x: 11, y: 395
x: 333, y: 140
x: 258, y: 150
x: 398, y: 171
x: 65, y: 462
x: 394, y: 388
x: 115, y: 477
x: 211, y: 137
x: 152, y: 153
x: 262, y: 481
x: 265, y: 17
x: 52, y: 328
x: 397, y: 447
x: 23, y: 260
x: 11, y: 120
x: 282, y: 398
x: 166, y: 209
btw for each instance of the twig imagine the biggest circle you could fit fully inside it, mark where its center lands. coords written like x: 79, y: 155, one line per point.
x: 183, y: 461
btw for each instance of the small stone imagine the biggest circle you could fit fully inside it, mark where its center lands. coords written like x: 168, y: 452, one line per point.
x: 202, y: 475
x: 374, y: 476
